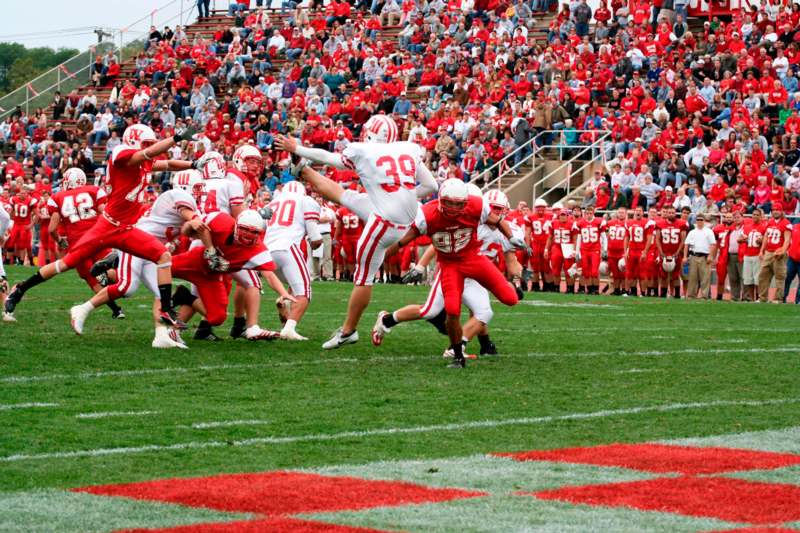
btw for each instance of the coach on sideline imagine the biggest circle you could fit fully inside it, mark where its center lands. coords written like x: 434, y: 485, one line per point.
x: 700, y: 250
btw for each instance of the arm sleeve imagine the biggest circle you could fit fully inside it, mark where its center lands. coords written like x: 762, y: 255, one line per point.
x: 322, y: 156
x: 311, y: 218
x: 5, y: 221
x: 427, y: 184
x: 420, y: 222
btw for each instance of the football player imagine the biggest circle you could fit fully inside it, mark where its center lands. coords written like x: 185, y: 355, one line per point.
x: 537, y: 221
x: 587, y: 249
x: 670, y: 233
x: 129, y: 167
x: 24, y: 209
x: 394, y: 176
x: 617, y: 242
x: 560, y: 248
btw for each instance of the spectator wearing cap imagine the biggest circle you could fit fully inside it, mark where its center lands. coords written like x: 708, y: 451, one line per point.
x: 402, y: 105
x: 699, y: 250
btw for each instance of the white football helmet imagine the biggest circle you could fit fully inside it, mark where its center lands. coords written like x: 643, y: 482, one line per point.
x: 295, y: 187
x: 474, y: 190
x: 574, y: 271
x: 497, y: 199
x: 668, y: 264
x: 250, y: 228
x: 453, y: 196
x: 189, y: 180
x: 621, y: 265
x: 213, y: 165
x: 247, y: 160
x: 558, y: 205
x: 137, y: 134
x: 603, y: 268
x: 379, y: 128
x: 74, y: 178
x: 540, y: 202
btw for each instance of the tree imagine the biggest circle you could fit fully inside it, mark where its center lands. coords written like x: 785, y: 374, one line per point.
x: 19, y: 65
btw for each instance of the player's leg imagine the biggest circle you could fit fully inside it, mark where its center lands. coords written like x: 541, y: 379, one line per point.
x: 556, y: 263
x: 326, y: 187
x: 480, y: 269
x: 586, y: 272
x: 452, y: 280
x: 250, y: 283
x: 722, y: 274
x: 430, y: 310
x: 84, y: 269
x: 295, y: 270
x: 3, y: 279
x: 594, y: 274
x: 476, y: 298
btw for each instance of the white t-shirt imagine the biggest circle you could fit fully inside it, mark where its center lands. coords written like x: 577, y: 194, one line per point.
x: 700, y: 241
x: 163, y: 220
x: 290, y: 214
x: 388, y: 173
x: 327, y: 212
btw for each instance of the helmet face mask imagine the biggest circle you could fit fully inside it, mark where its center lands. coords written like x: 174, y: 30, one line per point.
x: 246, y: 236
x: 250, y: 228
x: 451, y: 207
x: 453, y: 197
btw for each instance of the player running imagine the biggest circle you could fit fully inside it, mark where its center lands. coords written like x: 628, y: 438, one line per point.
x: 129, y: 168
x: 394, y: 176
x: 294, y: 216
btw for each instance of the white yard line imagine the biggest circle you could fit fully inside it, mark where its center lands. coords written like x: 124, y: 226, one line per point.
x: 380, y: 359
x: 114, y: 414
x: 458, y: 426
x: 638, y: 371
x: 33, y: 405
x: 226, y: 424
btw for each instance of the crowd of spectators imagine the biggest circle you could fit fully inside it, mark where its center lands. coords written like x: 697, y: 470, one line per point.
x: 698, y: 119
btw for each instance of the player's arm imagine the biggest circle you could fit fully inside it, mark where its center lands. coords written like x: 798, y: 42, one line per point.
x: 318, y: 155
x: 712, y: 254
x: 410, y: 235
x: 685, y: 251
x: 195, y: 227
x: 163, y: 165
x: 337, y: 230
x: 159, y: 148
x: 276, y: 285
x: 314, y: 236
x: 513, y: 266
x: 658, y: 243
x: 683, y: 239
x: 426, y: 183
x: 787, y: 238
x: 547, y: 245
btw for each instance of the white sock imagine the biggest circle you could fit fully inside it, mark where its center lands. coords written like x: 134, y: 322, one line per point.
x: 87, y: 306
x: 290, y: 325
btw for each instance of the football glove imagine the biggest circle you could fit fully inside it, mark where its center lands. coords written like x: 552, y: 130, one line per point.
x: 186, y: 134
x: 265, y: 212
x: 414, y: 275
x: 216, y: 262
x: 298, y: 164
x: 63, y: 244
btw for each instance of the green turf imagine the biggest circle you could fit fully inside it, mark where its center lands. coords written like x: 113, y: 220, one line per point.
x: 558, y: 359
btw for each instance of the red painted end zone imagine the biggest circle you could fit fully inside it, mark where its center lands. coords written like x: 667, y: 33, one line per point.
x: 734, y: 500
x: 273, y: 525
x: 757, y: 530
x: 280, y: 493
x: 663, y: 458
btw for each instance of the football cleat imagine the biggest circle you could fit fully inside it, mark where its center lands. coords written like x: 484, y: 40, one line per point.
x: 379, y: 330
x: 237, y: 331
x: 449, y: 354
x: 490, y: 349
x: 291, y: 335
x: 458, y: 363
x: 255, y: 333
x: 338, y: 340
x: 170, y: 318
x: 167, y: 338
x: 77, y: 317
x: 205, y: 335
x: 8, y: 317
x: 104, y: 265
x: 118, y: 314
x: 12, y: 300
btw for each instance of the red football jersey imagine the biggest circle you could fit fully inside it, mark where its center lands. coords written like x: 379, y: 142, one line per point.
x: 754, y: 233
x: 128, y: 185
x: 352, y: 226
x: 638, y: 233
x: 566, y: 233
x: 721, y: 232
x: 538, y: 226
x: 670, y: 233
x: 775, y: 233
x: 222, y: 227
x: 453, y: 238
x: 590, y: 231
x: 78, y: 209
x: 616, y: 231
x: 22, y: 210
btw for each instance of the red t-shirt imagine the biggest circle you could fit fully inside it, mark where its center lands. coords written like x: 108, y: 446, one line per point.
x: 22, y: 210
x: 128, y: 185
x: 454, y: 238
x: 590, y: 231
x: 670, y: 233
x: 616, y: 231
x: 78, y: 209
x: 753, y: 234
x: 794, y: 246
x: 352, y: 226
x: 774, y: 233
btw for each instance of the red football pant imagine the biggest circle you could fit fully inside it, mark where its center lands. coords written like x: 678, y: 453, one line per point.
x: 634, y: 265
x: 538, y: 262
x: 349, y: 247
x: 46, y: 245
x: 211, y: 288
x: 558, y: 261
x: 21, y: 238
x: 722, y: 269
x: 613, y: 266
x: 480, y: 269
x: 124, y: 238
x: 590, y: 263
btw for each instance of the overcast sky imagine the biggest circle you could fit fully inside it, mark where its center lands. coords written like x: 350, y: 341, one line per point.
x: 46, y: 18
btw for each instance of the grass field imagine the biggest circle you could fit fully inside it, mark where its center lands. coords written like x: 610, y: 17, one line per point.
x: 106, y: 409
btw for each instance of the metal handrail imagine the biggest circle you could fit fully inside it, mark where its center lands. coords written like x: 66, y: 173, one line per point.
x: 90, y: 51
x: 488, y: 171
x: 597, y: 144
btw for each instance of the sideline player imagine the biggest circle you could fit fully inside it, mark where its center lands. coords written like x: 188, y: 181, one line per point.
x: 24, y: 209
x: 617, y: 242
x: 129, y: 168
x: 587, y: 248
x: 670, y: 234
x: 5, y: 225
x: 452, y: 221
x: 537, y: 221
x: 389, y: 171
x: 74, y: 210
x: 294, y: 215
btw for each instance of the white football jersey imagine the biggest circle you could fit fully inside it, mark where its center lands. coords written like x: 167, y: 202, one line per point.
x: 287, y: 227
x: 489, y: 236
x: 388, y: 173
x: 222, y: 194
x: 163, y: 220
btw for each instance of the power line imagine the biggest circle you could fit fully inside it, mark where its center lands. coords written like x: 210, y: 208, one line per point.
x: 48, y: 32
